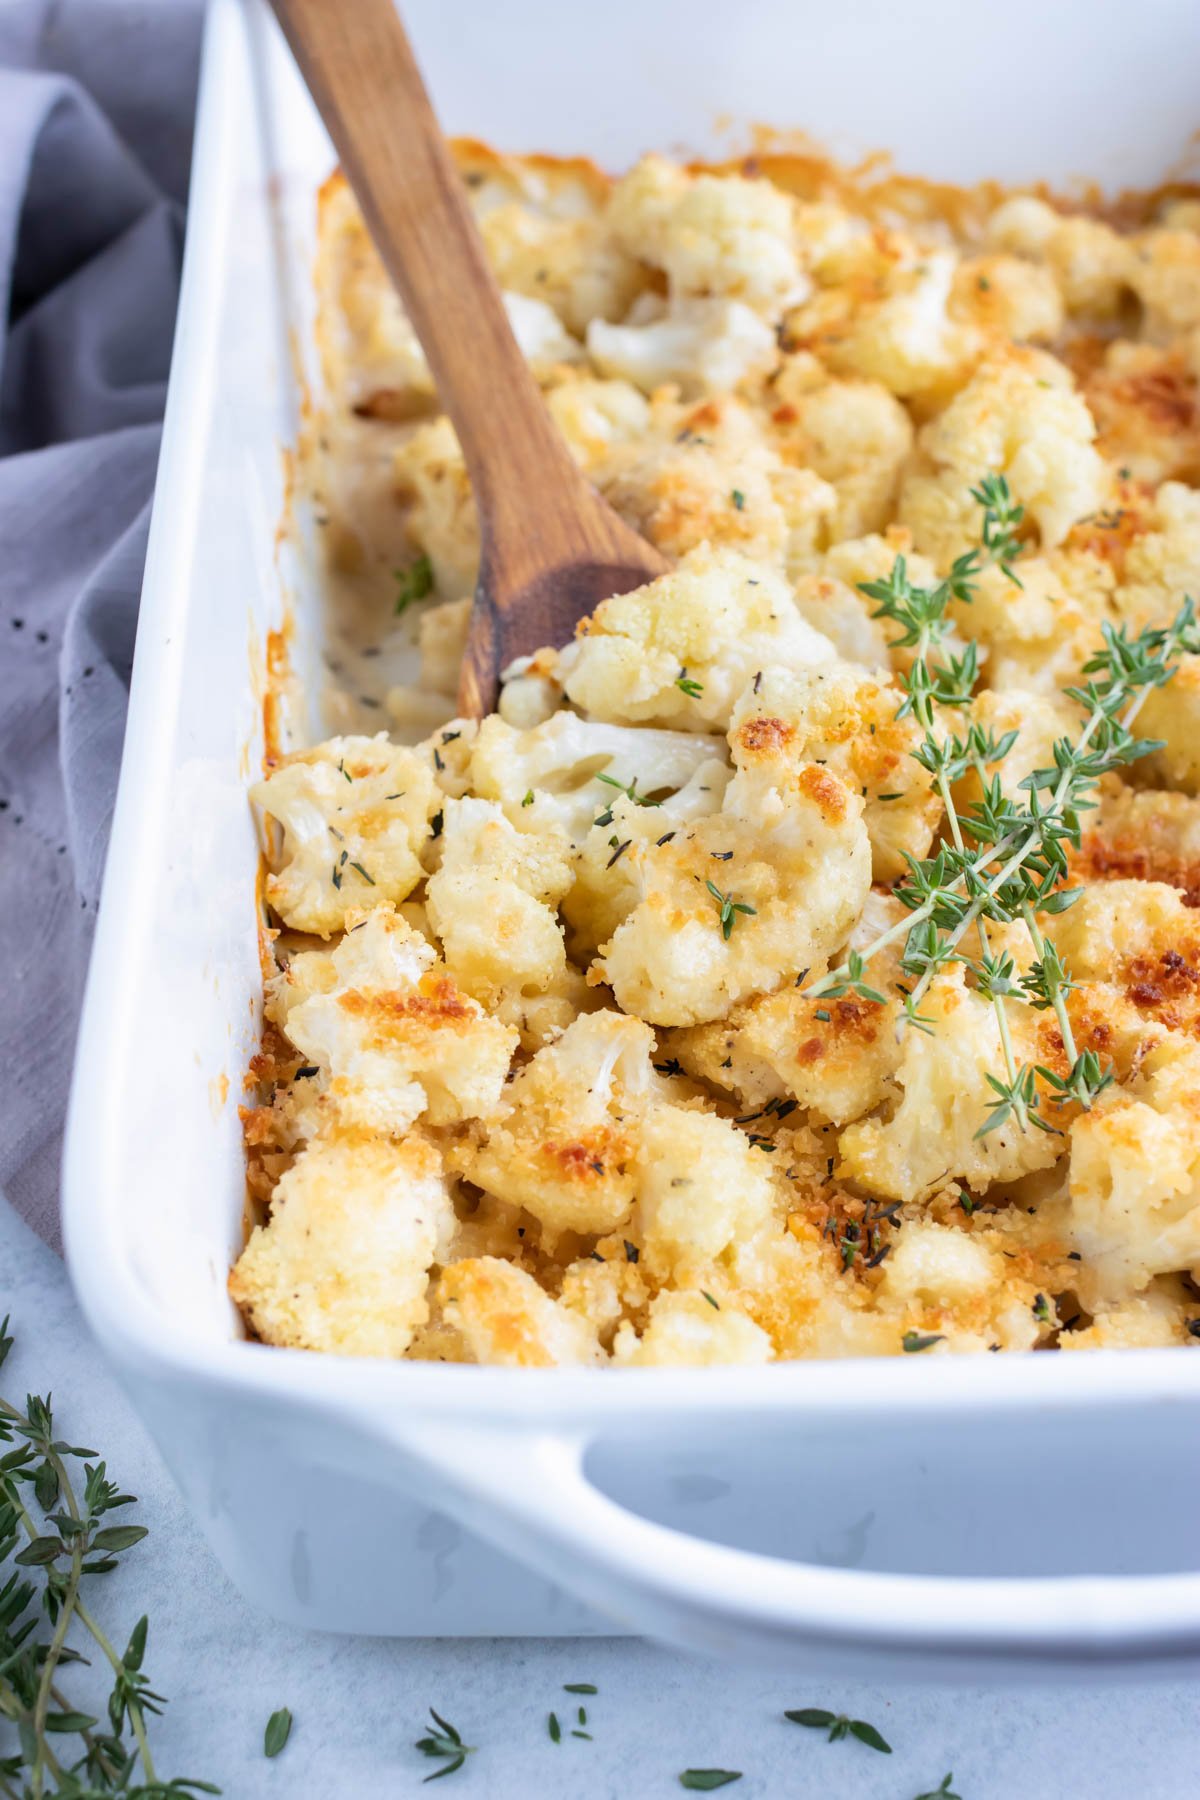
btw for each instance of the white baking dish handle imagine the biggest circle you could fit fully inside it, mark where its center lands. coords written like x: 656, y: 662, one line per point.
x: 529, y: 1493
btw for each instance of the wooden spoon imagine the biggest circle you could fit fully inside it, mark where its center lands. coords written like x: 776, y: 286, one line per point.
x: 551, y: 549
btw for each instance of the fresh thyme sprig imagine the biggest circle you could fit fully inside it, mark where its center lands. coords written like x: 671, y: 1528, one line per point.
x: 1004, y: 858
x: 443, y: 1742
x: 839, y: 1726
x: 73, y: 1543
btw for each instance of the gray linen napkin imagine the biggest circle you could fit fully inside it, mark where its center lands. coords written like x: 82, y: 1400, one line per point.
x: 96, y: 106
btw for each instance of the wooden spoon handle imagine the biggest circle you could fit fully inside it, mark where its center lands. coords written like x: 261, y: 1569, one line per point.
x: 361, y: 71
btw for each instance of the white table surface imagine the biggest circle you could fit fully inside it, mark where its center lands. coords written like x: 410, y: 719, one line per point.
x: 360, y: 1702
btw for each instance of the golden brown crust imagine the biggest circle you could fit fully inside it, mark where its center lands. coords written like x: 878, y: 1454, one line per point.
x: 785, y: 374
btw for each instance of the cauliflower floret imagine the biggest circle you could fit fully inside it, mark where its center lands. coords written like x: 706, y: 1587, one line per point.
x: 493, y: 903
x: 1162, y: 563
x: 595, y: 416
x: 530, y: 691
x: 844, y: 720
x: 1119, y: 922
x: 938, y: 1263
x: 1142, y: 937
x: 442, y: 634
x: 605, y: 1291
x: 505, y: 1318
x: 711, y: 234
x: 833, y: 239
x: 588, y: 1132
x: 833, y: 1056
x: 1091, y: 262
x: 372, y: 357
x: 701, y: 1187
x: 606, y: 889
x: 1152, y: 1320
x: 1170, y: 716
x: 1165, y: 276
x: 343, y: 1263
x: 564, y: 1145
x: 905, y: 338
x: 844, y: 616
x: 446, y: 753
x: 707, y: 474
x: 396, y: 1035
x: 831, y: 598
x: 793, y: 1288
x: 539, y: 334
x: 1135, y: 1177
x: 1039, y: 721
x: 1145, y: 835
x: 570, y: 264
x: 855, y: 434
x: 704, y: 346
x: 1039, y: 635
x: 1018, y: 417
x: 944, y: 1099
x: 355, y: 812
x: 429, y: 478
x: 741, y: 900
x: 680, y: 650
x: 371, y: 361
x: 871, y: 558
x: 950, y: 1283
x: 690, y: 1331
x: 1147, y: 411
x: 548, y: 779
x: 1008, y: 297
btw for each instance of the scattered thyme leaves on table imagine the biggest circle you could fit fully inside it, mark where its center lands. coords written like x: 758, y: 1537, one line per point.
x: 44, y: 1572
x: 443, y: 1742
x: 705, y: 1781
x: 839, y: 1726
x: 944, y: 1792
x: 1005, y: 859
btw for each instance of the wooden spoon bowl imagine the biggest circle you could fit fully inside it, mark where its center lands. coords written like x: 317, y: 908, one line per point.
x: 551, y: 549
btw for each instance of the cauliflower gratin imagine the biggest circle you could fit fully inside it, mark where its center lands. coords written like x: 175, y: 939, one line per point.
x: 803, y: 962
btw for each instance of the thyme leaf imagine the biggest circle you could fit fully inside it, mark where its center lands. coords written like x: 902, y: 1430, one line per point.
x: 279, y: 1728
x: 727, y: 909
x: 413, y: 583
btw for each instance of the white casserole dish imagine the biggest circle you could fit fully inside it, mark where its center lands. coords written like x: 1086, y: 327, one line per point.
x: 947, y: 1515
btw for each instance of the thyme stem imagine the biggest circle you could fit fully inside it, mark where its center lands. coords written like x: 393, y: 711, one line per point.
x: 1016, y: 869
